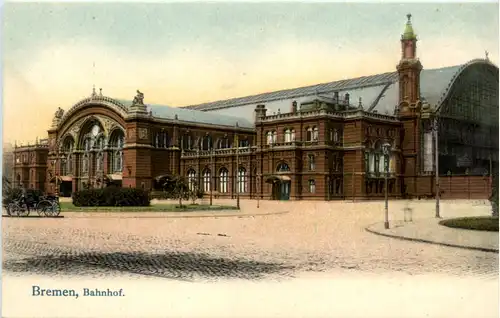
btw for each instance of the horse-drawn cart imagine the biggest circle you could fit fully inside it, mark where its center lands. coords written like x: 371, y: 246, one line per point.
x: 44, y: 205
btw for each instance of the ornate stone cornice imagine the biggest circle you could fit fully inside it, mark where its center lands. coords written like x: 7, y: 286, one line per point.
x: 92, y: 100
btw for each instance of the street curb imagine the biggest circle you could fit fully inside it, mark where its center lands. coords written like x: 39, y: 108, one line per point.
x: 411, y: 239
x: 122, y: 216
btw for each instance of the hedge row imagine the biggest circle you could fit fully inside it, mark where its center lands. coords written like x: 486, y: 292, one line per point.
x: 111, y: 196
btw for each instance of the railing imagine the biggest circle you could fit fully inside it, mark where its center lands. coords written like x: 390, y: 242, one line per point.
x: 218, y: 152
x: 344, y: 114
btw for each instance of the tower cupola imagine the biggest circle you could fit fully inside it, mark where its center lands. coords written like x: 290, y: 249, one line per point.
x: 409, y: 34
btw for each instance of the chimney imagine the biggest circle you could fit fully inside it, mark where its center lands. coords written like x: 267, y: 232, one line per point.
x: 336, y: 97
x: 260, y: 112
x: 294, y: 106
x: 346, y: 99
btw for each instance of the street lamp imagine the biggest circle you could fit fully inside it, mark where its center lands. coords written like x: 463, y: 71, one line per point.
x: 212, y: 170
x: 435, y: 126
x: 237, y: 142
x: 386, y: 149
x: 257, y: 190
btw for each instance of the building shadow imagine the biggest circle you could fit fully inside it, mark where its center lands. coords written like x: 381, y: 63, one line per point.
x: 171, y: 265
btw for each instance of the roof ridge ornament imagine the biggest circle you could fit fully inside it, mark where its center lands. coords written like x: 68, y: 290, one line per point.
x: 409, y: 34
x: 486, y: 53
x: 138, y: 103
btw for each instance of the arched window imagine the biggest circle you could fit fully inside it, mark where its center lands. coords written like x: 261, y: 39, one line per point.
x: 187, y: 142
x: 288, y: 135
x: 224, y: 180
x: 309, y: 134
x: 242, y: 181
x: 224, y: 143
x: 192, y: 180
x: 161, y: 140
x: 116, y: 151
x: 85, y: 164
x: 275, y: 136
x: 292, y: 135
x: 315, y: 134
x: 99, y: 157
x: 67, y: 161
x: 283, y: 167
x: 269, y: 137
x: 206, y: 180
x: 206, y: 143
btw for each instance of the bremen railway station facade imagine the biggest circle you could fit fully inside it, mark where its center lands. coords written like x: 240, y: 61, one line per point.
x: 324, y: 142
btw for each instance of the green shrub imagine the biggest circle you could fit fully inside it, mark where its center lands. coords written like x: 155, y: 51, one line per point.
x: 111, y: 196
x: 479, y: 223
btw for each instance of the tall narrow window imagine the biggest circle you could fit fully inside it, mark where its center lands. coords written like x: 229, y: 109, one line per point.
x: 315, y: 135
x: 367, y: 161
x: 335, y: 136
x: 377, y: 162
x: 275, y: 137
x: 292, y: 135
x: 223, y: 175
x: 312, y: 186
x: 312, y: 164
x: 309, y: 134
x: 192, y: 180
x: 116, y: 151
x: 242, y: 182
x: 206, y: 180
x: 288, y: 135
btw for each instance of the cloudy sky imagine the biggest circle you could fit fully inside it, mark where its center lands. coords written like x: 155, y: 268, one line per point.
x: 182, y: 54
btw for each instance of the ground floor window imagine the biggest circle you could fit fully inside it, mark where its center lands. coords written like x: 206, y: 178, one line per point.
x: 191, y: 179
x: 206, y: 181
x: 312, y: 186
x: 242, y: 182
x: 223, y: 180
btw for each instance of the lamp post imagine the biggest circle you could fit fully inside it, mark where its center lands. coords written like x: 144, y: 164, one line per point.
x: 385, y: 149
x: 237, y: 168
x: 258, y: 193
x: 436, y: 156
x: 211, y: 172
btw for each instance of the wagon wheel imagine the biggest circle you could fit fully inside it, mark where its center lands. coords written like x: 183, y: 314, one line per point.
x: 22, y: 209
x: 10, y: 209
x: 56, y: 208
x: 44, y: 208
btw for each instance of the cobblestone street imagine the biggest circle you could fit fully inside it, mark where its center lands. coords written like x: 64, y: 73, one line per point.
x: 310, y: 237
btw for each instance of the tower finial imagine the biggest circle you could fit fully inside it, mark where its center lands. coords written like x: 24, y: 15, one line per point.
x: 408, y: 33
x: 93, y: 90
x: 486, y: 53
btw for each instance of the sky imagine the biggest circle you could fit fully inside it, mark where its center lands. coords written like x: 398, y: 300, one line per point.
x: 181, y: 54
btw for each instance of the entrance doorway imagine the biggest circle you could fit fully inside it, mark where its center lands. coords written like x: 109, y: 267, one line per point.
x: 65, y: 188
x: 281, y: 187
x: 284, y: 190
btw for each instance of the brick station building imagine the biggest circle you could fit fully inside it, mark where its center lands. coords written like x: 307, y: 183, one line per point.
x: 320, y: 142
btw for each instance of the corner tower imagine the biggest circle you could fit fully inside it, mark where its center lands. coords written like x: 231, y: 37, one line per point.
x: 408, y: 109
x: 409, y: 68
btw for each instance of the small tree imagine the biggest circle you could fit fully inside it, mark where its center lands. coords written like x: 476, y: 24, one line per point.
x: 180, y: 189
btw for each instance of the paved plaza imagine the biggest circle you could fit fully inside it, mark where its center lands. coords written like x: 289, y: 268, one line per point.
x: 277, y: 241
